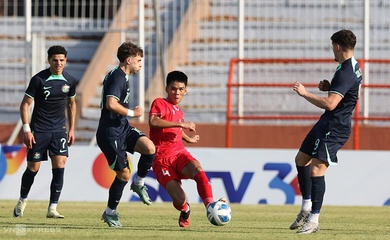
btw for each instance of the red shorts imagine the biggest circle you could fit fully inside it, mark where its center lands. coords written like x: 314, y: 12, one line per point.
x: 167, y: 168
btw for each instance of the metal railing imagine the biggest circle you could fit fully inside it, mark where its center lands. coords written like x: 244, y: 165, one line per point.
x: 358, y: 115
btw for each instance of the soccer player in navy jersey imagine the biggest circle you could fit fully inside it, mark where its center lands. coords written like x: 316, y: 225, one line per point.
x: 53, y: 90
x: 319, y: 148
x: 115, y: 136
x: 173, y: 162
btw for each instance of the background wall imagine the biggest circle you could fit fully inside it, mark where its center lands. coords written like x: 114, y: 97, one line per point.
x: 200, y: 38
x: 258, y: 136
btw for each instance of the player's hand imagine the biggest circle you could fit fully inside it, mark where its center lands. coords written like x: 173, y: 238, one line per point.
x: 29, y: 140
x: 299, y: 88
x: 71, y: 138
x: 138, y: 111
x: 193, y: 139
x: 189, y: 125
x: 324, y: 85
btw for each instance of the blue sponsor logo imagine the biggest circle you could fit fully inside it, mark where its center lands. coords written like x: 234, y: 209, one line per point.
x: 235, y: 194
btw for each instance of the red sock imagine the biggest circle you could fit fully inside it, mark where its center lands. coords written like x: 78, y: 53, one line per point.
x: 182, y: 208
x: 204, y: 187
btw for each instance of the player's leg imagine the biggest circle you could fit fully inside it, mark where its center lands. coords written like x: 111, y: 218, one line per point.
x: 116, y: 189
x: 146, y: 148
x: 325, y: 154
x: 58, y: 151
x: 302, y: 161
x: 164, y: 169
x: 57, y: 182
x: 26, y: 183
x: 35, y: 155
x: 28, y: 178
x: 318, y: 169
x: 110, y: 215
x: 115, y: 153
x: 194, y: 170
x: 179, y: 201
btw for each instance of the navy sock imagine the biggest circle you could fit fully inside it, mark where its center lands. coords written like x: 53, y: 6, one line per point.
x: 56, y: 184
x: 115, y: 193
x: 27, y: 182
x: 318, y: 191
x: 304, y: 181
x: 145, y: 164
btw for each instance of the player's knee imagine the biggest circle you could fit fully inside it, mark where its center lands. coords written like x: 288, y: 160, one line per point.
x: 124, y: 178
x: 145, y: 146
x: 123, y: 175
x: 302, y: 159
x: 34, y: 170
x: 196, y: 168
x: 192, y: 169
x: 33, y: 166
x: 151, y: 149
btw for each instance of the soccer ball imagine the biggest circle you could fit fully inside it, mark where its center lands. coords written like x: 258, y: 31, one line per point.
x: 219, y: 213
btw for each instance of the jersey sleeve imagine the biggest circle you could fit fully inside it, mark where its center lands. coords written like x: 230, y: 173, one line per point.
x: 341, y: 83
x: 113, y: 90
x: 156, y: 108
x: 33, y: 86
x: 114, y: 87
x: 72, y: 91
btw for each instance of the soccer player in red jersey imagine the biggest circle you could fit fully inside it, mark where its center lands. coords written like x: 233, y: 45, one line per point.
x: 173, y: 162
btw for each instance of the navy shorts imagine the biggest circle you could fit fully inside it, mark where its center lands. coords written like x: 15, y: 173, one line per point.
x: 114, y: 149
x: 56, y: 143
x: 323, y: 144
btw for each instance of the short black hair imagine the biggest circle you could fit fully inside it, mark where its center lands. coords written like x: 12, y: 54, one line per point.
x: 176, y: 76
x: 345, y: 38
x: 56, y: 49
x: 128, y: 49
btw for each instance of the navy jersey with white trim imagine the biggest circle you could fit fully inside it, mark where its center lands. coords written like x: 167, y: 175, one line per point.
x: 346, y: 82
x: 50, y: 93
x: 115, y: 84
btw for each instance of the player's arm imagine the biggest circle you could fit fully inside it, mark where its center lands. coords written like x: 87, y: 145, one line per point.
x: 188, y: 139
x: 71, y: 110
x: 156, y: 122
x: 328, y: 103
x: 28, y: 138
x: 113, y: 105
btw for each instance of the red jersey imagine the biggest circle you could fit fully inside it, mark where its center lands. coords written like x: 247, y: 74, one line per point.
x: 167, y: 140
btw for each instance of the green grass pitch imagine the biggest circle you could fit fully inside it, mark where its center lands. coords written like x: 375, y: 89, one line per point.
x: 159, y: 221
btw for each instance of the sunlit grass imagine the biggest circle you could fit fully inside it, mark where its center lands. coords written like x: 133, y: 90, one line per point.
x: 159, y: 221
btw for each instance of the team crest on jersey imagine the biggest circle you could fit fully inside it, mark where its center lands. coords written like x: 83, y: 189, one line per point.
x: 175, y: 108
x: 37, y: 155
x: 65, y: 88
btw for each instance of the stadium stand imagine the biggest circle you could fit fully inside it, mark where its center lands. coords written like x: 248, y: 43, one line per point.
x: 199, y: 37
